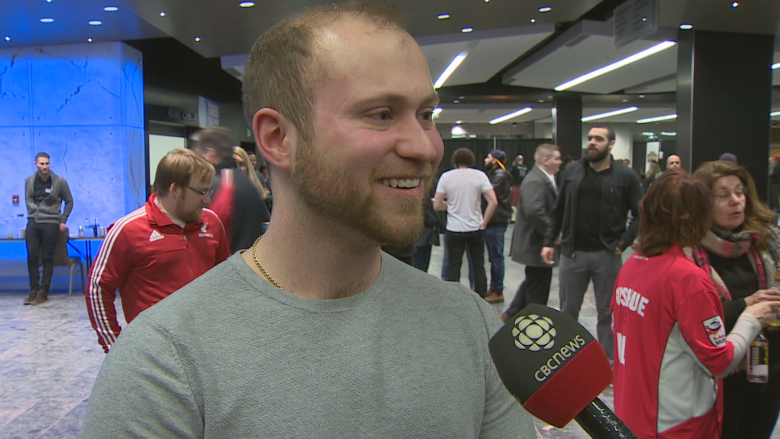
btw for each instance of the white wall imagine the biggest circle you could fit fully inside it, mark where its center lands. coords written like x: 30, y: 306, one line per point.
x: 158, y: 147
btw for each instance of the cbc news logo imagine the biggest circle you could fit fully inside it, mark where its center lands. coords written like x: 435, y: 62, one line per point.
x: 534, y: 333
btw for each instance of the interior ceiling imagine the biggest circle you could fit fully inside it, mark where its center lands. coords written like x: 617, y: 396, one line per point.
x: 516, y: 54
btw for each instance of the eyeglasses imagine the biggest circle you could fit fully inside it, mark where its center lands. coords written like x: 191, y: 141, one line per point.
x: 204, y: 194
x: 723, y: 197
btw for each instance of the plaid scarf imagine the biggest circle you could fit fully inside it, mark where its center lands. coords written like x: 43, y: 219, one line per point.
x: 732, y: 245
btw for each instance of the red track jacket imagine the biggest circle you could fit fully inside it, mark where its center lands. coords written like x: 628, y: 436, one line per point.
x: 147, y: 257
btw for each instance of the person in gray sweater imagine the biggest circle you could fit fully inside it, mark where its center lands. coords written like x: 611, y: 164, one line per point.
x: 314, y: 332
x: 44, y: 192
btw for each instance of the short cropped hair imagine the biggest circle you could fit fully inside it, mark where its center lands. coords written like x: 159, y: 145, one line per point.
x: 42, y: 154
x: 757, y: 215
x: 283, y: 67
x: 677, y: 209
x: 219, y: 139
x: 463, y: 157
x: 178, y: 166
x: 545, y: 150
x: 610, y: 131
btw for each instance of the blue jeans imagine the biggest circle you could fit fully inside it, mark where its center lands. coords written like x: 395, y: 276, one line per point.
x: 494, y: 241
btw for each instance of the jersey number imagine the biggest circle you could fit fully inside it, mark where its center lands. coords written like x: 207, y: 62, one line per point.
x: 621, y: 342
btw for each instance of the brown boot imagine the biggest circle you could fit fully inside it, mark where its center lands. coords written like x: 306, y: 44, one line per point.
x: 40, y: 298
x: 494, y: 296
x: 32, y: 297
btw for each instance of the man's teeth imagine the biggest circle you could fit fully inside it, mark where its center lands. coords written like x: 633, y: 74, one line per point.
x: 408, y: 183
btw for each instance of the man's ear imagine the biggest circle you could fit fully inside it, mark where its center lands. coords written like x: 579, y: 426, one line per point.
x: 276, y: 138
x: 173, y: 189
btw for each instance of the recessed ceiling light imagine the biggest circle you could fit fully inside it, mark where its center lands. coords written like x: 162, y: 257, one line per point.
x: 456, y: 101
x: 48, y: 1
x: 644, y: 19
x: 657, y: 118
x: 609, y: 114
x: 110, y: 9
x: 541, y: 100
x: 648, y: 133
x: 510, y: 115
x: 458, y: 121
x: 47, y: 20
x: 487, y: 1
x: 686, y: 26
x: 668, y: 133
x: 246, y: 4
x: 776, y: 113
x: 545, y: 9
x: 641, y: 96
x: 437, y: 111
x: 533, y: 20
x: 466, y: 30
x: 95, y: 23
x: 89, y: 40
x: 625, y: 100
x: 8, y: 38
x: 735, y: 4
x: 461, y: 97
x: 443, y: 16
x: 162, y: 13
x: 197, y: 39
x: 776, y: 66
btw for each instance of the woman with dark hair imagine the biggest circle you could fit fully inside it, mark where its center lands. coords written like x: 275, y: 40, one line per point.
x: 740, y: 253
x: 670, y: 341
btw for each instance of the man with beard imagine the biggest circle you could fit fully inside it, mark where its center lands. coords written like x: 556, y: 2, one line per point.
x: 591, y: 210
x: 313, y: 331
x: 501, y: 181
x: 159, y: 248
x: 236, y: 200
x: 44, y: 192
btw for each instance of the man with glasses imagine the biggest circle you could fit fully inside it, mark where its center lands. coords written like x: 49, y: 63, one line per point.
x: 236, y: 200
x: 158, y: 248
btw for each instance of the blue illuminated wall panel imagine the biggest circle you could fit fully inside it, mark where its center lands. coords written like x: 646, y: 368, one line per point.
x: 82, y: 104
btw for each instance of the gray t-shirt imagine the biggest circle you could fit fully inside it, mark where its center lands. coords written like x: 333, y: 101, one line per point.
x: 231, y: 356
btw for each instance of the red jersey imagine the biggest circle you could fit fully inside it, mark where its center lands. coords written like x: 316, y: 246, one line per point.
x: 670, y: 344
x: 147, y: 257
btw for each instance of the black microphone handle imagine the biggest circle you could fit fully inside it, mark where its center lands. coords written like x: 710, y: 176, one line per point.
x: 601, y: 423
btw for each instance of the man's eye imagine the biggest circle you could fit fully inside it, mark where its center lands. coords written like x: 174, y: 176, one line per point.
x: 381, y: 115
x: 427, y: 115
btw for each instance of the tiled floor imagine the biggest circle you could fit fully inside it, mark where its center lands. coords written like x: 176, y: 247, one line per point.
x: 49, y: 358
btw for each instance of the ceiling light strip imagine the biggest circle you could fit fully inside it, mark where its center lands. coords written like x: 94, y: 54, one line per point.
x: 657, y: 118
x: 449, y: 70
x: 511, y: 115
x: 609, y: 114
x: 614, y: 66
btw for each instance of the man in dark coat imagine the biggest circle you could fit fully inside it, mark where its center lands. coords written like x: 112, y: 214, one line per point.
x: 236, y: 201
x: 537, y: 200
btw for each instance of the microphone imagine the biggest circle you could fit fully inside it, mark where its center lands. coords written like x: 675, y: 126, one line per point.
x: 556, y: 370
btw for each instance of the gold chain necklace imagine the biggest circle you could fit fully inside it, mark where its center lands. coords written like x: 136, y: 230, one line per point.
x: 260, y: 266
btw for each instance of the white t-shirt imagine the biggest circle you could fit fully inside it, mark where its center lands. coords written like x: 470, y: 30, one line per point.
x: 463, y: 189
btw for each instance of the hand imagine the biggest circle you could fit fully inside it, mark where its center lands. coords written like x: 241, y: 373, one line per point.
x: 618, y: 251
x: 765, y: 311
x: 63, y: 227
x: 548, y: 255
x: 762, y: 296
